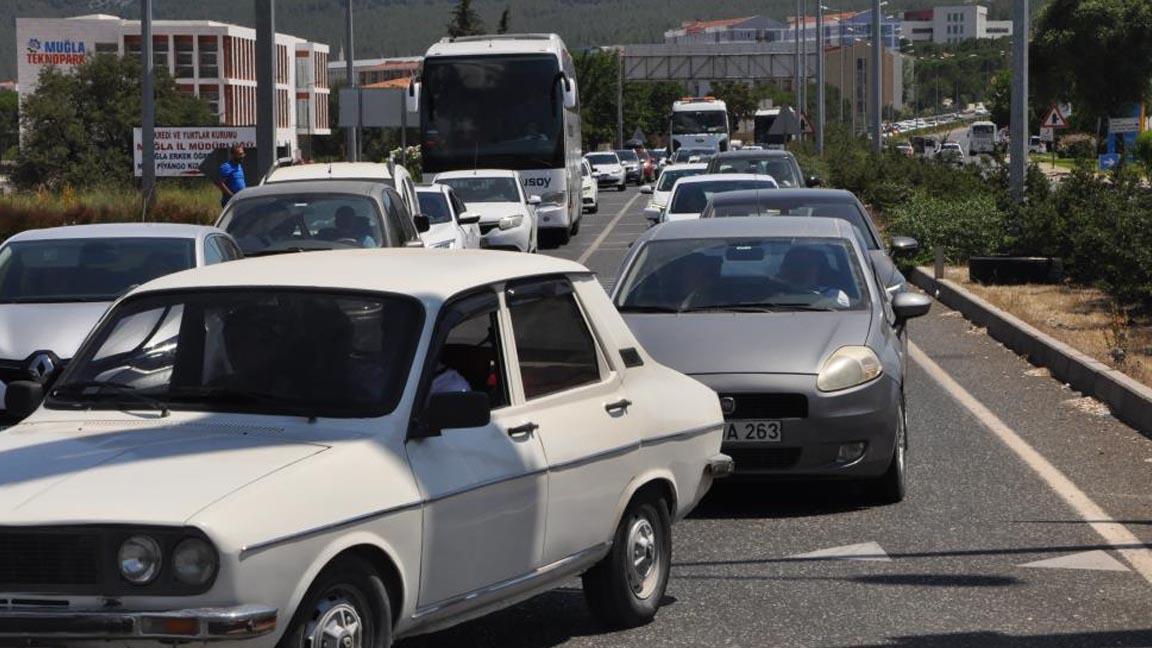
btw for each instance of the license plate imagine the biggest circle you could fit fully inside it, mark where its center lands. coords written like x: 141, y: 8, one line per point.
x: 758, y: 431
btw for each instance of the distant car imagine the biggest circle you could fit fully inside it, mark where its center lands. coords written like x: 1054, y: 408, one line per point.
x: 904, y: 148
x: 608, y: 169
x: 781, y: 165
x: 309, y: 215
x: 784, y: 320
x: 647, y: 165
x: 507, y: 214
x: 690, y: 195
x: 951, y: 152
x: 394, y: 175
x: 589, y: 188
x: 55, y: 284
x: 660, y: 155
x: 1036, y: 145
x: 663, y: 187
x: 451, y: 225
x: 633, y: 168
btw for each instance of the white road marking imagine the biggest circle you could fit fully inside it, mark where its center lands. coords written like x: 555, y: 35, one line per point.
x: 1115, y: 534
x: 607, y: 230
x: 1096, y: 559
x: 870, y: 551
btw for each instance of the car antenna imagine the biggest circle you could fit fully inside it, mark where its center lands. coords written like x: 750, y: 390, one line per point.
x: 475, y: 156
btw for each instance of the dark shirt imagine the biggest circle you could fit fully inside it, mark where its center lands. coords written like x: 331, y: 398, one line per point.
x: 232, y: 175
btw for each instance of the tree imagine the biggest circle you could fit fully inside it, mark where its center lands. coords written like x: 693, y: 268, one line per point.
x: 9, y: 121
x: 740, y: 99
x: 505, y: 18
x: 1143, y: 151
x: 999, y: 100
x: 465, y: 21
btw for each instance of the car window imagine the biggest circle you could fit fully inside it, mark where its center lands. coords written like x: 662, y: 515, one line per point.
x: 769, y: 204
x: 602, y: 158
x: 484, y: 190
x: 231, y: 250
x: 288, y: 221
x: 404, y: 217
x: 213, y: 251
x: 435, y: 207
x: 397, y: 234
x: 670, y: 176
x: 693, y: 197
x: 459, y: 204
x: 471, y: 358
x: 780, y: 168
x: 556, y: 349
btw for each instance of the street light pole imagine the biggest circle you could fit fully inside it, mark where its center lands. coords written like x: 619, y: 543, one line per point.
x: 265, y: 85
x: 1018, y: 160
x: 620, y: 98
x: 819, y: 78
x: 877, y: 75
x: 351, y: 133
x: 148, y: 119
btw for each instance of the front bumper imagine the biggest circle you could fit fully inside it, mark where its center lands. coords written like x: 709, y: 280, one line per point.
x: 553, y: 216
x: 606, y: 179
x: 200, y: 624
x: 517, y: 239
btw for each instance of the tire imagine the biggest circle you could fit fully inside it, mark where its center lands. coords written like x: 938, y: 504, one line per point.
x: 595, y: 208
x: 347, y: 606
x: 891, y: 487
x: 576, y: 226
x: 621, y: 186
x: 563, y: 236
x: 617, y: 599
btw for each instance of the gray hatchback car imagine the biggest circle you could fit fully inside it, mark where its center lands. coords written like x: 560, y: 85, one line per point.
x: 785, y: 319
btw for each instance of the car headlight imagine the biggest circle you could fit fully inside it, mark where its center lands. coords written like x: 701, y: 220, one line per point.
x: 445, y: 245
x: 847, y: 367
x: 139, y: 559
x: 194, y: 562
x: 510, y: 222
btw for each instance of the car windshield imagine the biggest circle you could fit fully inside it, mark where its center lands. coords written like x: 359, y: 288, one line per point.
x: 484, y: 190
x: 602, y: 158
x: 628, y: 156
x: 251, y: 350
x: 435, y: 207
x: 769, y: 203
x: 685, y: 154
x: 670, y: 176
x: 781, y: 168
x: 745, y: 274
x: 699, y: 121
x: 87, y: 269
x: 304, y: 221
x: 693, y: 197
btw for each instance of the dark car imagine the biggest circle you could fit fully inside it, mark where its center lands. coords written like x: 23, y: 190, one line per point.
x: 781, y: 165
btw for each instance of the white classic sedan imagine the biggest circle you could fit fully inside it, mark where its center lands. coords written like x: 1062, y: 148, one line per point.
x: 342, y: 448
x: 451, y: 225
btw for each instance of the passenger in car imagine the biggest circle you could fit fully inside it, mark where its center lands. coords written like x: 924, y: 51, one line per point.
x: 808, y: 270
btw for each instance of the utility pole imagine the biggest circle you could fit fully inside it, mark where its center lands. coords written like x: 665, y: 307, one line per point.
x: 877, y: 75
x: 819, y: 78
x: 148, y: 102
x: 265, y: 86
x: 803, y: 62
x: 1018, y: 160
x: 796, y: 82
x: 620, y: 98
x: 351, y: 133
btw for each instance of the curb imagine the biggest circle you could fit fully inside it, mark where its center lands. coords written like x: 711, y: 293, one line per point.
x: 1129, y: 400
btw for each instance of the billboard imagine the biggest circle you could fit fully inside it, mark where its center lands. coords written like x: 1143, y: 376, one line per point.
x: 181, y: 151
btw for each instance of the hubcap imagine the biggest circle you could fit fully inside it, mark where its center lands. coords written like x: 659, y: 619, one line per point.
x: 336, y: 625
x: 643, y: 558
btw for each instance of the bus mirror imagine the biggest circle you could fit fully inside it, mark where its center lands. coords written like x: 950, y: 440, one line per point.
x: 413, y: 97
x: 569, y: 93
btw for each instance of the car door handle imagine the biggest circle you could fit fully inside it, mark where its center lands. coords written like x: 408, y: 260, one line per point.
x: 523, y: 428
x: 621, y: 404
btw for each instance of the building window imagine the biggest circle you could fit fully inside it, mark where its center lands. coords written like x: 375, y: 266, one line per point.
x: 108, y: 48
x: 211, y: 95
x: 209, y: 57
x: 185, y: 57
x: 303, y: 115
x: 160, y: 51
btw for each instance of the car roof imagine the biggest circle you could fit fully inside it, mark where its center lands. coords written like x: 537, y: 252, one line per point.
x: 116, y: 230
x: 754, y: 153
x: 330, y: 171
x: 823, y: 195
x: 712, y: 177
x: 686, y: 165
x: 477, y: 173
x: 489, y: 44
x: 783, y: 226
x: 362, y: 187
x: 431, y: 275
x: 433, y: 188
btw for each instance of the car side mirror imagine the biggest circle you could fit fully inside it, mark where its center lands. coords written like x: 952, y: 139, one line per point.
x: 412, y: 100
x: 907, y: 305
x: 533, y: 200
x: 904, y: 246
x: 23, y: 397
x: 646, y: 189
x: 422, y: 223
x: 569, y: 92
x: 813, y: 181
x: 454, y: 410
x: 468, y: 218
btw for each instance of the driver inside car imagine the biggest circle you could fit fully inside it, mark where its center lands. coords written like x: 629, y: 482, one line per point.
x: 807, y: 270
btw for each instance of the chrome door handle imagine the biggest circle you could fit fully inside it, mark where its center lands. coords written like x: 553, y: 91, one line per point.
x: 523, y: 428
x: 621, y: 404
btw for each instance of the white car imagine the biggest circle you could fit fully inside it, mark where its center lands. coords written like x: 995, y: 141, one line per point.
x: 451, y: 225
x: 344, y: 448
x: 662, y: 189
x: 589, y: 188
x: 690, y: 195
x: 507, y: 214
x: 608, y: 169
x: 55, y: 284
x: 393, y: 175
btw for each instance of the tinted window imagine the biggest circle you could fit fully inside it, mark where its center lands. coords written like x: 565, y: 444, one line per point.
x: 670, y: 176
x: 554, y: 345
x: 692, y: 197
x: 628, y: 156
x: 435, y: 207
x: 483, y: 190
x: 266, y: 350
x: 269, y: 224
x: 213, y: 252
x: 782, y: 169
x: 602, y: 158
x: 471, y: 358
x: 65, y: 270
x: 699, y: 121
x: 768, y: 204
x: 398, y: 213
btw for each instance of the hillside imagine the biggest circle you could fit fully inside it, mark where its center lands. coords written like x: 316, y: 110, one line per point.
x: 399, y: 27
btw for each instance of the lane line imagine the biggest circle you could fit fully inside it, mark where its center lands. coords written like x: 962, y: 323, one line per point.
x: 607, y: 230
x: 1115, y: 534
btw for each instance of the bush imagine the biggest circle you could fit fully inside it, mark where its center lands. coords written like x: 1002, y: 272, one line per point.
x: 1076, y: 145
x: 964, y: 226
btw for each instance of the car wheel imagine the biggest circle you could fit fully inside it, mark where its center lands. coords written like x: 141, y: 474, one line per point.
x: 346, y: 607
x: 891, y: 487
x: 595, y: 208
x: 621, y: 186
x: 576, y: 227
x: 624, y: 589
x: 563, y: 236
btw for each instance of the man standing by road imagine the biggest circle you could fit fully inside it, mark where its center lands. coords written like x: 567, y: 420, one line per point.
x: 231, y: 180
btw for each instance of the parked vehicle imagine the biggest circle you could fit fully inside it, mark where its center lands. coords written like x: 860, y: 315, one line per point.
x: 982, y: 137
x: 55, y: 284
x: 699, y: 122
x: 309, y: 215
x: 690, y: 195
x: 393, y: 175
x: 507, y: 214
x: 347, y: 448
x: 804, y: 348
x: 925, y: 146
x: 451, y: 225
x: 663, y: 187
x: 781, y: 165
x: 951, y: 152
x: 633, y: 171
x: 589, y: 188
x: 1036, y: 145
x: 608, y: 168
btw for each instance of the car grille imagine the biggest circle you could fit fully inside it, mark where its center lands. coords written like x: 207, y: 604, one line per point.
x: 763, y: 458
x: 31, y: 560
x: 767, y: 406
x: 487, y: 227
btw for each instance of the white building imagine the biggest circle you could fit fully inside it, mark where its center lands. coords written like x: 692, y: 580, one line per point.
x: 952, y: 24
x: 214, y: 61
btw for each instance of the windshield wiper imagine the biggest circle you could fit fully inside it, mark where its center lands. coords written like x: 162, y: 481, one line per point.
x: 648, y: 309
x: 119, y: 388
x: 240, y: 395
x: 760, y: 307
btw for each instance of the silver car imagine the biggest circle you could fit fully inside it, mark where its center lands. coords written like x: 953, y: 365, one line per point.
x: 785, y: 319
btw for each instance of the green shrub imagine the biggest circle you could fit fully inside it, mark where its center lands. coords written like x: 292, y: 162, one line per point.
x: 964, y: 226
x: 1076, y: 145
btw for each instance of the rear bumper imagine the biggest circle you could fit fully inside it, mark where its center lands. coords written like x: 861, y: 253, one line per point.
x: 200, y: 624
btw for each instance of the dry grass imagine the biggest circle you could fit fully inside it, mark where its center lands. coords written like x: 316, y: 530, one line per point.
x: 1085, y: 318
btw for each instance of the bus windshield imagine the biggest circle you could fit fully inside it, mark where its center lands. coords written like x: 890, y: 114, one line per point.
x: 983, y: 129
x: 486, y: 111
x: 699, y: 121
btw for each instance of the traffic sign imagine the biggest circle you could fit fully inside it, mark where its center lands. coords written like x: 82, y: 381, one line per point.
x: 1047, y: 134
x: 806, y: 125
x: 1124, y: 125
x: 1055, y: 119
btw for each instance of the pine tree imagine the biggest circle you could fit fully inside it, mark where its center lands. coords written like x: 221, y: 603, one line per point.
x: 502, y: 28
x: 465, y: 21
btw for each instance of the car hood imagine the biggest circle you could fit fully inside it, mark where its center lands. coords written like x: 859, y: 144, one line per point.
x: 494, y: 211
x: 140, y: 472
x: 702, y: 343
x: 60, y: 328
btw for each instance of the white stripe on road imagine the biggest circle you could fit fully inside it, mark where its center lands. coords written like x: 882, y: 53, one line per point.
x: 1115, y: 534
x: 607, y: 230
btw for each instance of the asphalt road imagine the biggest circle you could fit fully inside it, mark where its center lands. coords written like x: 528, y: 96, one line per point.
x: 1007, y: 467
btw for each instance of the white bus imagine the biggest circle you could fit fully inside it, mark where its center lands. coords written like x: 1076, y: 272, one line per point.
x: 981, y: 137
x: 700, y: 122
x: 505, y: 102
